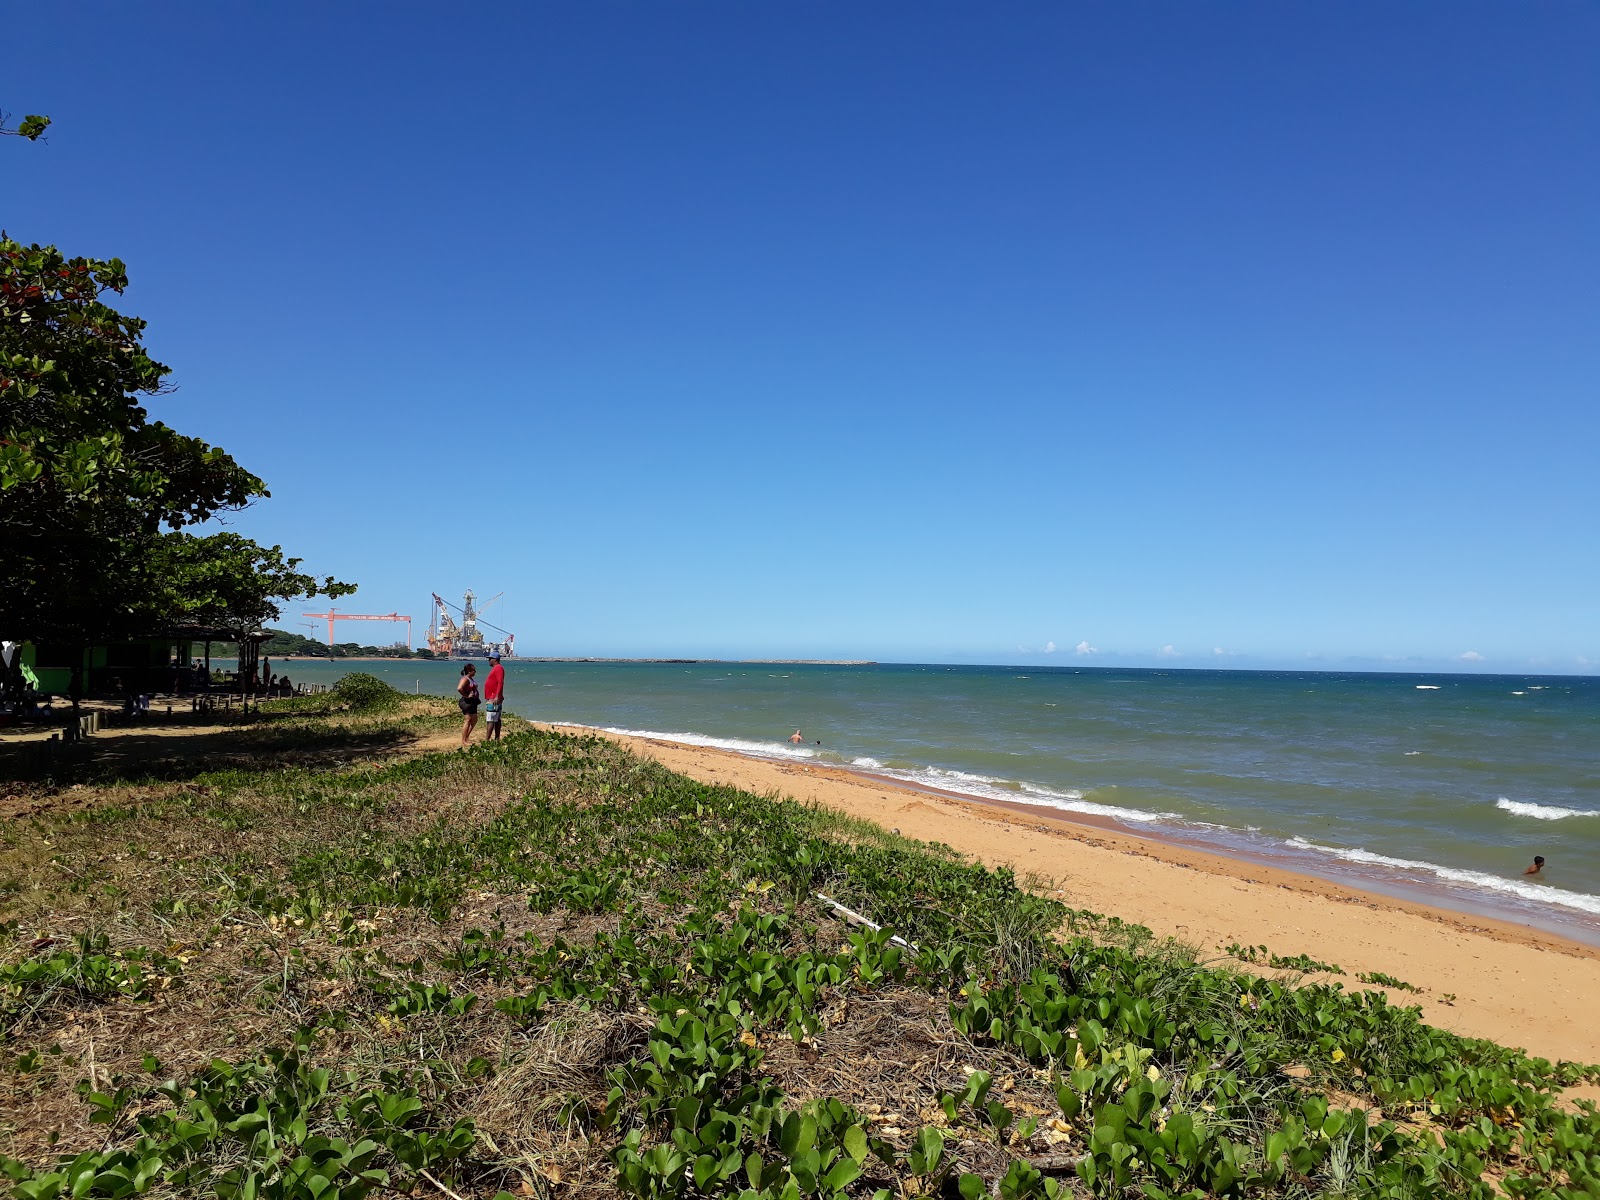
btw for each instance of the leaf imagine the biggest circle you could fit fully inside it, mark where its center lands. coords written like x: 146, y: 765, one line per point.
x: 927, y: 1151
x: 972, y: 1187
x: 789, y: 1135
x: 705, y: 1169
x: 842, y: 1174
x: 855, y: 1143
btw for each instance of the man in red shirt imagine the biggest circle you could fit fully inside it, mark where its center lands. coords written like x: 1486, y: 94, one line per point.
x: 494, y: 699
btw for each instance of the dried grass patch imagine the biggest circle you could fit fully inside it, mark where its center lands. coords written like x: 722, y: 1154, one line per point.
x: 890, y: 1054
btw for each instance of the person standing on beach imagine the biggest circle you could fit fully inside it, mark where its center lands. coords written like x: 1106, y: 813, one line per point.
x: 467, y: 689
x: 494, y: 698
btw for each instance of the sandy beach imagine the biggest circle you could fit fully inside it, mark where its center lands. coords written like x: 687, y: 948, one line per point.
x: 1479, y: 977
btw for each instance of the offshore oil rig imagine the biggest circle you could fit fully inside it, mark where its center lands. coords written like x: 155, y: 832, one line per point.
x: 449, y: 640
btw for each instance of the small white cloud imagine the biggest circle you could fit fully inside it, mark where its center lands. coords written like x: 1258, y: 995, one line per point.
x: 1083, y: 647
x: 1218, y: 650
x: 1167, y: 651
x: 1471, y: 656
x: 1049, y: 647
x: 1581, y: 661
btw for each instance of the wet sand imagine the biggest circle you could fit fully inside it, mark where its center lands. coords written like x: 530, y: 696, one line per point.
x: 1481, y: 977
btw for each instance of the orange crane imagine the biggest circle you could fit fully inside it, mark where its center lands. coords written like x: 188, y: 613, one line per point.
x: 332, y: 615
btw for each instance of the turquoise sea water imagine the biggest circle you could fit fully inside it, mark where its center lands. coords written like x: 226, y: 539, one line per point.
x: 1438, y: 788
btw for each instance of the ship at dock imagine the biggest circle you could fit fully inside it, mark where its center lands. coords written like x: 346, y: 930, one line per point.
x: 449, y: 639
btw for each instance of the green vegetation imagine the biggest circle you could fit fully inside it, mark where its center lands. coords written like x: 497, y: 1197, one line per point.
x: 356, y: 650
x: 365, y: 693
x: 1379, y: 979
x: 1262, y: 957
x: 283, y: 644
x: 95, y: 497
x: 546, y: 967
x: 32, y: 126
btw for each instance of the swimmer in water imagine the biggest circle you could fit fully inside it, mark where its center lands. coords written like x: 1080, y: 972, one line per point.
x: 1538, y: 865
x: 797, y: 737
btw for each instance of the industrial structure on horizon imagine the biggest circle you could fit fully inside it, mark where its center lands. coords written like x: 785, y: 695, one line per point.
x: 334, y: 614
x: 450, y: 640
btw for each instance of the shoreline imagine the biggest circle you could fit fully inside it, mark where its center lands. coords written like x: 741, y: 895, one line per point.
x: 1170, y: 845
x: 1479, y: 975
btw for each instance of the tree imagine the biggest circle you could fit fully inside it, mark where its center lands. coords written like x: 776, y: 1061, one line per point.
x: 88, y: 482
x: 95, y: 497
x: 227, y: 581
x: 285, y: 643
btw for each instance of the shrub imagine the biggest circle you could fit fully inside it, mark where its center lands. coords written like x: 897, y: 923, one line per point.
x: 365, y: 693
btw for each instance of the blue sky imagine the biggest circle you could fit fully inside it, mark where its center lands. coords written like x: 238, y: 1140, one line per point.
x: 921, y: 332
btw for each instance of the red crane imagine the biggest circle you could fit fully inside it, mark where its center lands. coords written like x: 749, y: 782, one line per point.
x: 331, y: 616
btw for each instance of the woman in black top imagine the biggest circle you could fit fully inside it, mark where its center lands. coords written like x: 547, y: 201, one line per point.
x: 468, y: 689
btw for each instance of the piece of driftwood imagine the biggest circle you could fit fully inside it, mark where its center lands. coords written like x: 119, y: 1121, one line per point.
x: 855, y: 918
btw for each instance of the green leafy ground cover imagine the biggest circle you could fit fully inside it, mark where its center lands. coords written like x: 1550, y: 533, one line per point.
x: 548, y: 968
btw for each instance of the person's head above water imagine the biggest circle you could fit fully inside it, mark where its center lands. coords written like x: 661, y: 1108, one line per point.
x: 1538, y: 865
x: 1538, y: 860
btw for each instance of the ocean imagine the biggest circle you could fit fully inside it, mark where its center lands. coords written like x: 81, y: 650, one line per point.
x: 1439, y: 789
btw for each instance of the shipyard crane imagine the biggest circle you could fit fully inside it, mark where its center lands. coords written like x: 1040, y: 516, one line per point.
x: 333, y: 615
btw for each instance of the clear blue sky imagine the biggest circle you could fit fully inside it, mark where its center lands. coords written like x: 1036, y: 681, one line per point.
x: 901, y: 331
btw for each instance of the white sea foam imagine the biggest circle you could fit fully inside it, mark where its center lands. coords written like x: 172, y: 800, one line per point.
x: 980, y: 786
x: 738, y: 745
x: 1539, y: 893
x: 990, y: 788
x: 1428, y: 687
x: 1543, y: 812
x: 1409, y: 753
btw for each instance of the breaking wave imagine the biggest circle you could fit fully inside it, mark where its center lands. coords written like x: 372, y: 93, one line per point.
x: 989, y: 788
x: 738, y: 745
x: 982, y: 787
x: 1543, y: 812
x: 1538, y: 893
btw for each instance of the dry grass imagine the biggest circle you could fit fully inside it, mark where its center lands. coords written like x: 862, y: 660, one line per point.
x: 518, y: 1114
x: 162, y: 863
x: 185, y: 745
x: 890, y: 1054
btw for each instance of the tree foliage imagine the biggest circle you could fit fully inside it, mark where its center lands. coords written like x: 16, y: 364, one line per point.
x: 78, y: 453
x: 229, y: 581
x: 94, y: 495
x: 32, y: 127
